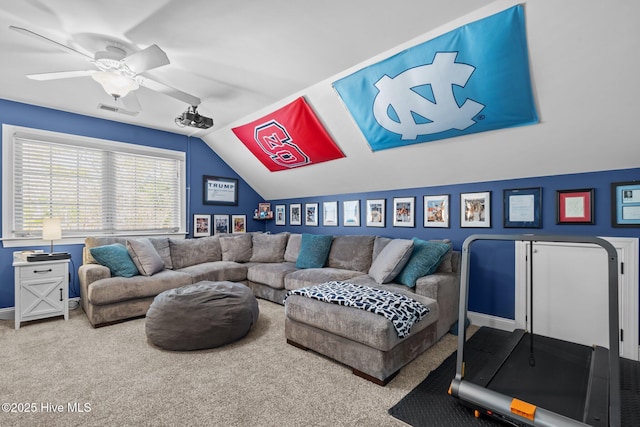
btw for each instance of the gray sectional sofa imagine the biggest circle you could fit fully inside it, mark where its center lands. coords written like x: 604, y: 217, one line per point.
x: 267, y: 263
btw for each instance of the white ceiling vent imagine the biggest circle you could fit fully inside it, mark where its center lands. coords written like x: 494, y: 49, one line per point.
x: 117, y: 110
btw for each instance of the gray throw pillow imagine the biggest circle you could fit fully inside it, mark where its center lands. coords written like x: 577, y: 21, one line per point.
x: 293, y: 247
x: 162, y: 247
x: 391, y: 260
x: 269, y: 247
x: 145, y: 256
x: 236, y: 248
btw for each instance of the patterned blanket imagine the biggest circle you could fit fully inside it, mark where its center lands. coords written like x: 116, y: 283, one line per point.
x: 401, y: 310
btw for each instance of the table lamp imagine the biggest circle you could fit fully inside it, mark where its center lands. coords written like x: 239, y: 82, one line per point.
x: 51, y: 230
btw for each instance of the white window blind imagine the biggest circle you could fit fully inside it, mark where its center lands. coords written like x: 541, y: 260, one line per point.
x: 95, y: 188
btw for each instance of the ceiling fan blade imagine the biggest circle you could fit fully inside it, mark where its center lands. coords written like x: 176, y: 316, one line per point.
x: 46, y: 39
x: 168, y: 90
x: 60, y: 75
x: 147, y: 59
x: 131, y: 102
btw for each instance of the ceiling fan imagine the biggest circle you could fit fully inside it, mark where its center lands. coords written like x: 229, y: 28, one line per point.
x: 119, y: 74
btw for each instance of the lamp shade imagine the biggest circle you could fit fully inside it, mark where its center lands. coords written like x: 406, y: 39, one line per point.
x: 51, y: 229
x: 114, y: 83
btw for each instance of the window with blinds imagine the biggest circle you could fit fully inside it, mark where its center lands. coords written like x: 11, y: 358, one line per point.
x: 94, y: 186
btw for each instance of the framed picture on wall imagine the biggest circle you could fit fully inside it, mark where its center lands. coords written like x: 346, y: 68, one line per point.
x: 376, y: 213
x: 239, y: 223
x: 574, y: 206
x: 523, y: 208
x: 281, y: 218
x: 625, y: 204
x: 201, y: 225
x: 295, y: 214
x: 475, y: 209
x: 330, y: 214
x: 436, y: 211
x: 219, y: 191
x: 311, y: 214
x: 404, y: 211
x: 351, y: 213
x: 221, y: 224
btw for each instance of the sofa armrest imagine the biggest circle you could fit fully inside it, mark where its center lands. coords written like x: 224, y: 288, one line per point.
x: 89, y: 273
x: 445, y: 289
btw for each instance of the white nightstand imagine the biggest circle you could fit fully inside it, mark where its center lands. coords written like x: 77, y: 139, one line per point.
x: 41, y: 290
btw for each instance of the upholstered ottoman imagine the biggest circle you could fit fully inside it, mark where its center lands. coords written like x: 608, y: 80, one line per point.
x: 366, y: 342
x: 202, y: 315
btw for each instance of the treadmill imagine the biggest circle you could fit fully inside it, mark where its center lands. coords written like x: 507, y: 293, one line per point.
x: 525, y: 379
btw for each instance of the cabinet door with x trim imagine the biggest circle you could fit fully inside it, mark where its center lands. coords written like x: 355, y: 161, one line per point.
x: 41, y: 290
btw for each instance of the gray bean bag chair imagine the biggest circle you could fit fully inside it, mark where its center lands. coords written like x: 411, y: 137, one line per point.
x: 202, y: 315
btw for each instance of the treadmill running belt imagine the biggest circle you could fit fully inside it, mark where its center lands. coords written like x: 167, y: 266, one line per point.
x: 558, y: 381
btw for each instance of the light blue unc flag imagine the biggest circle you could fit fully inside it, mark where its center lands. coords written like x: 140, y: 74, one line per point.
x: 472, y: 79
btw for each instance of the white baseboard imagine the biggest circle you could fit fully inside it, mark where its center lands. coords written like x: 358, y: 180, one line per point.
x: 481, y: 319
x: 9, y: 312
x: 6, y: 313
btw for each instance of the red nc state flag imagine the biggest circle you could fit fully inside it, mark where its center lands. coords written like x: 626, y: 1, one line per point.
x: 289, y: 138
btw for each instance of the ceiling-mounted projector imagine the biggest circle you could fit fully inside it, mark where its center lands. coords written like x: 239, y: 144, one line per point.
x: 193, y: 119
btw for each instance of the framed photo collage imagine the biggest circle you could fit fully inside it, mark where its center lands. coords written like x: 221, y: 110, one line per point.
x: 521, y: 208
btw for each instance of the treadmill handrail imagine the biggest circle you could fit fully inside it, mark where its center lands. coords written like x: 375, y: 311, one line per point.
x: 614, y: 328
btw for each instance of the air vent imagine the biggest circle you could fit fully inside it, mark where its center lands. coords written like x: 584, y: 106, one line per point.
x: 117, y: 110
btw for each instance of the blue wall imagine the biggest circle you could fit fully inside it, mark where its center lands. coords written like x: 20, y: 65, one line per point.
x: 201, y: 160
x: 492, y: 276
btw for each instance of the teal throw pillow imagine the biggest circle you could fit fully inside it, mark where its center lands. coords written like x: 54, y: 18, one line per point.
x: 117, y: 258
x: 424, y: 260
x: 314, y: 250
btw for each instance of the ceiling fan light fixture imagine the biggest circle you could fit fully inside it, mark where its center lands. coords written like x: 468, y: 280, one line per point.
x: 114, y: 83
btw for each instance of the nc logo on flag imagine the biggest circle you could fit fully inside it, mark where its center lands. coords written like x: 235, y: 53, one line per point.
x: 473, y: 79
x: 443, y: 113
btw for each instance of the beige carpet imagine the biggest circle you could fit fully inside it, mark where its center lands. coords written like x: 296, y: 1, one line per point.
x: 117, y: 378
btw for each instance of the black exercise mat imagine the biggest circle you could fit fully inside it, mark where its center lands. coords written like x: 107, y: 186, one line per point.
x: 429, y: 404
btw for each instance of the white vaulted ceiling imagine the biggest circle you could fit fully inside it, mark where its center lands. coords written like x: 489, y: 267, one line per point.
x: 244, y: 59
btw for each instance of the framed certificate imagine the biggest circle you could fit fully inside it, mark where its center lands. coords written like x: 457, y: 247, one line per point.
x: 523, y: 208
x: 625, y: 204
x: 574, y: 206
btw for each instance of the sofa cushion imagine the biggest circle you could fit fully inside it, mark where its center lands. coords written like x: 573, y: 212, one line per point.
x: 378, y: 245
x: 164, y: 250
x: 236, y: 248
x: 217, y: 271
x: 269, y: 247
x: 314, y: 250
x: 186, y: 252
x: 391, y: 260
x: 314, y: 276
x: 272, y: 274
x: 116, y: 258
x: 145, y: 256
x: 117, y: 289
x: 425, y: 258
x: 293, y: 247
x: 351, y: 253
